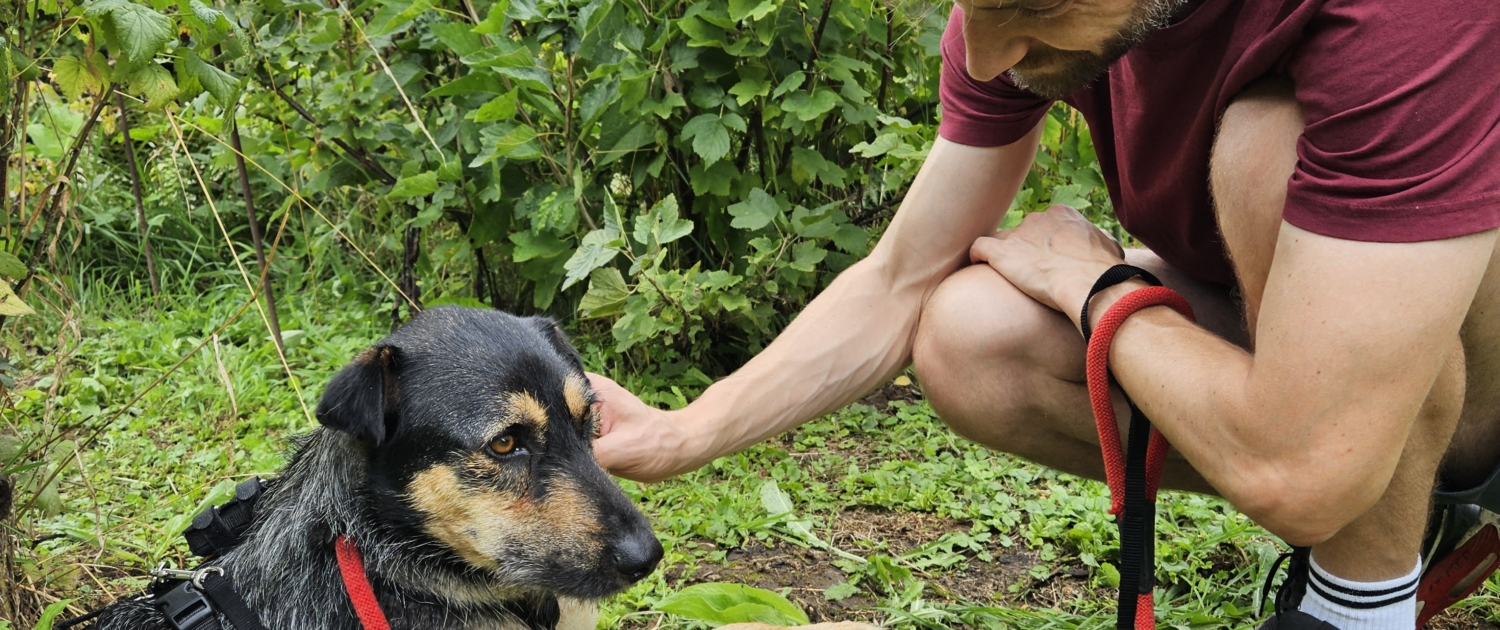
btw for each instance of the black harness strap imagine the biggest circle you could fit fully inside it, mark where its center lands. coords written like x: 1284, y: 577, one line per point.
x: 220, y: 590
x: 1137, y: 524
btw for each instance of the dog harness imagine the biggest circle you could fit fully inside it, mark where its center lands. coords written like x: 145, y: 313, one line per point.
x: 1133, y: 477
x: 189, y: 600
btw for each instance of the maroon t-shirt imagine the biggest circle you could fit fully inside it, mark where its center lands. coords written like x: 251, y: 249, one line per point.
x: 1401, y: 100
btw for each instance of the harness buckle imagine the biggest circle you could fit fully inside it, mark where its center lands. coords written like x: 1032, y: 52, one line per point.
x: 183, y: 606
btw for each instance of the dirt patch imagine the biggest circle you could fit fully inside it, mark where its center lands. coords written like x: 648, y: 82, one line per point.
x: 776, y: 565
x: 880, y: 398
x: 1004, y: 581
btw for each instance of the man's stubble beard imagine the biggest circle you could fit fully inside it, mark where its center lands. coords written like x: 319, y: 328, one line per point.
x: 1077, y: 69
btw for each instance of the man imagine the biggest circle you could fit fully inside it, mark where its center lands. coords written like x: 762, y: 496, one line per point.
x: 1320, y: 178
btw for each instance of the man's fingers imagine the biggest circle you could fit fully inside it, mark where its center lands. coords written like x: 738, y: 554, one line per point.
x: 983, y: 249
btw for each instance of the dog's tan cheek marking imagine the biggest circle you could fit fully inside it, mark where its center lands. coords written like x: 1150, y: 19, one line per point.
x: 576, y: 393
x: 475, y: 523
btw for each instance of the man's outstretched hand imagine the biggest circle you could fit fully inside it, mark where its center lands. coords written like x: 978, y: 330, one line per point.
x: 638, y: 441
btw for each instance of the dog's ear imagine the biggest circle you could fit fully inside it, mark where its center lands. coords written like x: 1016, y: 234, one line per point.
x: 559, y: 341
x: 361, y: 400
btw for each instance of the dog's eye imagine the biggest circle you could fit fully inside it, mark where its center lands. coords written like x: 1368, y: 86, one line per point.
x: 503, y: 444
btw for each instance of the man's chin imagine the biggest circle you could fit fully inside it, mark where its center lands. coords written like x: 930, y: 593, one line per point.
x: 1054, y: 85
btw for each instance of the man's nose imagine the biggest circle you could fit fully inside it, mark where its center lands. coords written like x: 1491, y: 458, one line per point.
x: 990, y: 54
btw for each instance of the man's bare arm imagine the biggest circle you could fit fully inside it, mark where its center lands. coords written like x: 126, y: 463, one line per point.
x: 854, y: 335
x: 1303, y: 435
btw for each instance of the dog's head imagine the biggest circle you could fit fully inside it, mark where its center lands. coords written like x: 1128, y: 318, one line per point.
x: 480, y: 427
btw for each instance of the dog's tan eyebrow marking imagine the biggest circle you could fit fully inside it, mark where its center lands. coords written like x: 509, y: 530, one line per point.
x: 526, y: 408
x: 576, y: 393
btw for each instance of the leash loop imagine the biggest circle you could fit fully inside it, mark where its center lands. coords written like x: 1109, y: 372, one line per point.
x: 1134, y: 478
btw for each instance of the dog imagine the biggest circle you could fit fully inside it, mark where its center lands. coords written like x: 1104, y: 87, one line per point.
x: 457, y: 454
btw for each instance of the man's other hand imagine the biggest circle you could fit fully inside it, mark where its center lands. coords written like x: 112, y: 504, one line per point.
x: 637, y: 441
x: 1053, y: 256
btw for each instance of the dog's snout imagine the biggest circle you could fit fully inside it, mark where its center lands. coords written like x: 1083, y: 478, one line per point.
x: 636, y: 555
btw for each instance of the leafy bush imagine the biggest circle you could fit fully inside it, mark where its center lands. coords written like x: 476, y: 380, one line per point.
x: 524, y: 154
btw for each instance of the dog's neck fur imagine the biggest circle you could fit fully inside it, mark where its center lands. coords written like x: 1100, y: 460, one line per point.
x: 287, y: 571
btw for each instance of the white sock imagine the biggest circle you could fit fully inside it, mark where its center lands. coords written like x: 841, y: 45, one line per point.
x: 1350, y: 605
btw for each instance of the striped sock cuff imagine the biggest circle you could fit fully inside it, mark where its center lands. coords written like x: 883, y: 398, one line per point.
x: 1351, y: 605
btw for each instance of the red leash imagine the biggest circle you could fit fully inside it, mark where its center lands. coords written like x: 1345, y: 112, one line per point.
x: 1132, y: 492
x: 361, y: 594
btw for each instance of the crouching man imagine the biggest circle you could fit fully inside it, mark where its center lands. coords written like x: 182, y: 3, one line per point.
x: 1320, y: 179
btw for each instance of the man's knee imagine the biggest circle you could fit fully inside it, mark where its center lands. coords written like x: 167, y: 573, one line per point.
x: 977, y: 330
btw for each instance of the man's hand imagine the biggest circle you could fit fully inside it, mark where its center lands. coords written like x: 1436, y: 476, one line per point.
x: 1053, y: 256
x: 636, y: 441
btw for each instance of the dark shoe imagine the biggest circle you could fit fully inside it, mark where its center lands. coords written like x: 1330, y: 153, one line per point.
x: 1296, y: 620
x: 1462, y: 549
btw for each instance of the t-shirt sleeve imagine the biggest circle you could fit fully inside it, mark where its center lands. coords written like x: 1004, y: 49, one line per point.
x: 1401, y: 100
x: 990, y: 113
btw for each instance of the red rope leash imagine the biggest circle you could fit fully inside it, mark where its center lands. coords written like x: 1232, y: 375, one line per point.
x: 1109, y: 428
x: 361, y: 594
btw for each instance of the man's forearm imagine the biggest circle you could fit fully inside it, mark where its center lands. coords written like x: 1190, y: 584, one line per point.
x: 859, y: 331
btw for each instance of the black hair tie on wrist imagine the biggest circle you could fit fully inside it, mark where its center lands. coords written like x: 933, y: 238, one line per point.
x: 1113, y: 276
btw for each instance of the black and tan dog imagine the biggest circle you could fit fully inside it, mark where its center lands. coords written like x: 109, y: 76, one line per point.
x: 457, y: 453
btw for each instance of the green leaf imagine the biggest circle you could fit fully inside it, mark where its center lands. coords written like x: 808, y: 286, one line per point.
x: 220, y: 84
x: 1108, y: 575
x: 661, y: 224
x: 11, y: 267
x: 50, y: 613
x: 606, y: 295
x: 596, y: 99
x: 472, y: 83
x: 501, y: 107
x: 754, y: 213
x: 840, y: 591
x: 753, y: 9
x: 139, y: 30
x: 210, y: 17
x: 852, y: 239
x: 748, y: 88
x: 74, y: 77
x: 710, y: 137
x: 459, y: 38
x: 596, y: 250
x: 810, y: 107
x: 10, y: 303
x: 723, y: 603
x: 882, y: 145
x: 791, y: 82
x: 419, y: 185
x: 155, y: 83
x: 506, y: 140
x: 522, y: 10
x: 531, y: 245
x: 1073, y: 195
x: 396, y: 14
x: 806, y: 256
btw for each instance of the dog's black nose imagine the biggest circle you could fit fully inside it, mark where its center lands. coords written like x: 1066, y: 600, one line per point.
x: 636, y: 555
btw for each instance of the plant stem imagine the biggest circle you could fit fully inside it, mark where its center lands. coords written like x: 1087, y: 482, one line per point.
x: 135, y: 189
x: 260, y: 251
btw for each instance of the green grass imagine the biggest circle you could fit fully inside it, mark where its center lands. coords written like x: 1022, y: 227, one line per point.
x: 893, y: 518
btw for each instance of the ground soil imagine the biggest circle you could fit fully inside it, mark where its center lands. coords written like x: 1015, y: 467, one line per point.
x: 1005, y: 581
